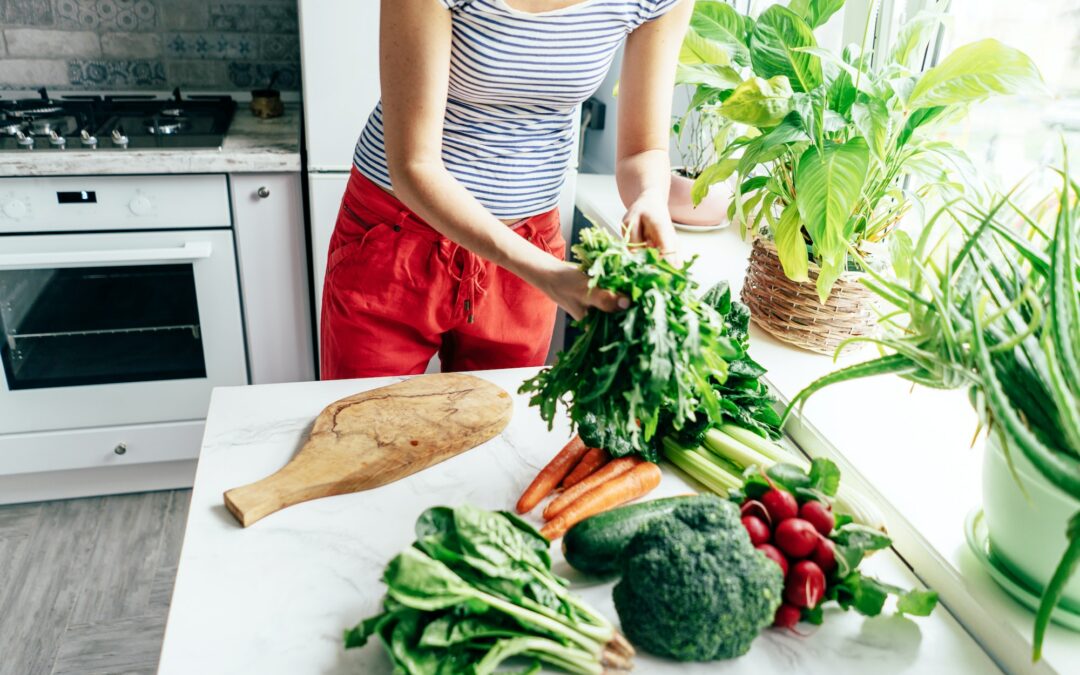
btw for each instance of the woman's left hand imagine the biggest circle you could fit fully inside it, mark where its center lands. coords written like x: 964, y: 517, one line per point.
x: 648, y: 220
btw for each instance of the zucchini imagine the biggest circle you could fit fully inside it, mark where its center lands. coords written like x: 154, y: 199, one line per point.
x: 593, y: 545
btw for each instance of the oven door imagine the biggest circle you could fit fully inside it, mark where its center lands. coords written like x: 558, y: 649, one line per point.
x: 126, y: 328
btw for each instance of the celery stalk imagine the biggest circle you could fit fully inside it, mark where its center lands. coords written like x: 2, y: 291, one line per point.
x: 734, y: 451
x: 710, y: 474
x: 774, y: 451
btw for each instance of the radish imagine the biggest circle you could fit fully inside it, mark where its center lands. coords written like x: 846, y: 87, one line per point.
x: 774, y: 554
x: 758, y: 530
x: 752, y: 507
x: 781, y: 505
x: 824, y: 555
x: 805, y: 584
x: 795, y: 537
x: 787, y: 616
x: 819, y: 515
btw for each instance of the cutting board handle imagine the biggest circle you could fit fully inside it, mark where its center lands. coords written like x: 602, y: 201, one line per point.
x: 254, y: 501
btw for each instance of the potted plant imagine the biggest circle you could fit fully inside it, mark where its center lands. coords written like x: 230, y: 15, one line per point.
x: 705, y: 64
x: 997, y: 310
x: 831, y: 140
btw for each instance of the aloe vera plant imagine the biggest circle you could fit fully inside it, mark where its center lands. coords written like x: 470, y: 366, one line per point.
x: 827, y: 140
x: 995, y: 310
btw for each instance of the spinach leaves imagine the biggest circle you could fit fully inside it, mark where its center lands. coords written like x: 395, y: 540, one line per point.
x: 475, y: 589
x: 662, y: 355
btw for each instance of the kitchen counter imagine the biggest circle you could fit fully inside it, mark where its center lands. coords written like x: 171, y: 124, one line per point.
x: 914, y: 446
x: 275, y: 597
x: 252, y: 145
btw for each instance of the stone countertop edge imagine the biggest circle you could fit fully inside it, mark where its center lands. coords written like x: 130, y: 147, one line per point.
x: 252, y: 145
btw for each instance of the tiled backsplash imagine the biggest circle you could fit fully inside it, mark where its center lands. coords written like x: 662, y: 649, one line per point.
x: 148, y: 44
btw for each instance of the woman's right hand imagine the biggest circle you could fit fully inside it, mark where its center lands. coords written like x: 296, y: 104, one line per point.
x: 569, y: 287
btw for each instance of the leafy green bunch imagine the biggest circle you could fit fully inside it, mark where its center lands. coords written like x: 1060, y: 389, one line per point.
x: 475, y: 589
x: 626, y: 369
x: 998, y: 312
x: 832, y: 137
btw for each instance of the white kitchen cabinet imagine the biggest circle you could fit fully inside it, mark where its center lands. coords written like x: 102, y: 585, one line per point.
x: 268, y: 217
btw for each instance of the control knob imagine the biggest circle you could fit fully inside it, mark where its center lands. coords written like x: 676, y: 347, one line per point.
x: 141, y: 205
x: 87, y: 140
x: 57, y: 140
x: 119, y: 139
x: 24, y: 140
x: 15, y: 209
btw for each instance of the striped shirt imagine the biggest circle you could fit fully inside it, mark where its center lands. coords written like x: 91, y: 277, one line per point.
x: 516, y: 79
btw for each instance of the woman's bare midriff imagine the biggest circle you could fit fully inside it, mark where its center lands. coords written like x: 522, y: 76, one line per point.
x: 505, y: 221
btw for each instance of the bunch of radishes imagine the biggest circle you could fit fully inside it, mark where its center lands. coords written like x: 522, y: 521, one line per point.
x: 796, y: 537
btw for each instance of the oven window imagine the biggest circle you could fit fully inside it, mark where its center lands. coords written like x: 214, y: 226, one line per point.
x: 99, y: 325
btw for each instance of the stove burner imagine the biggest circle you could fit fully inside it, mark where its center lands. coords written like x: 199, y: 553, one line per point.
x: 165, y: 127
x: 46, y: 126
x: 34, y: 108
x: 172, y: 112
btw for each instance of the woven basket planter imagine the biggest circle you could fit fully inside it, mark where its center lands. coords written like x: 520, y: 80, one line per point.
x: 791, y: 311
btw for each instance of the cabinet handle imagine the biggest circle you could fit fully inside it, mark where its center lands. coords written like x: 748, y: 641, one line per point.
x: 120, y: 449
x: 263, y: 192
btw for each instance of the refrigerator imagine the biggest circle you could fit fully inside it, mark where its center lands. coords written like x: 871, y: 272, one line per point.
x: 339, y: 47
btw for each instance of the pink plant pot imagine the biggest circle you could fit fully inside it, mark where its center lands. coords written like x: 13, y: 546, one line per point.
x: 711, y: 211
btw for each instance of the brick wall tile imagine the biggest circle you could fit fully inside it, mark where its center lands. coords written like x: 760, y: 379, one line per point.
x: 34, y: 42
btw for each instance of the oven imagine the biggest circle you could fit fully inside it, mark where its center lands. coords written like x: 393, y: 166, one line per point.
x: 120, y: 311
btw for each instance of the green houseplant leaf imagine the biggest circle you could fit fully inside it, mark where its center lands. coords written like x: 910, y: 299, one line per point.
x: 790, y: 245
x: 713, y: 76
x: 816, y: 12
x: 721, y: 24
x: 827, y: 185
x: 758, y: 102
x: 774, y: 44
x: 699, y: 49
x: 975, y: 71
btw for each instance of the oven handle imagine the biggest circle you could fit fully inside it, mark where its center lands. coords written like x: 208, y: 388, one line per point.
x: 189, y: 252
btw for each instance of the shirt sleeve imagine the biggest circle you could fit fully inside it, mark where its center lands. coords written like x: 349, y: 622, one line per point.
x: 453, y: 5
x: 654, y: 9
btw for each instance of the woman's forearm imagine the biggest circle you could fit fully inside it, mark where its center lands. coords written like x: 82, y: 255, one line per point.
x: 646, y: 173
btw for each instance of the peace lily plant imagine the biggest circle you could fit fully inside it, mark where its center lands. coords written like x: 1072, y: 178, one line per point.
x: 996, y: 310
x: 831, y: 138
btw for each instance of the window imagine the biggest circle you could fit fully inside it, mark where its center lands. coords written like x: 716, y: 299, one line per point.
x: 1010, y: 137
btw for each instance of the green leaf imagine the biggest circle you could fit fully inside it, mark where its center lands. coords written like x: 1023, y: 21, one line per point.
x: 902, y: 252
x: 913, y: 39
x: 722, y: 25
x: 790, y: 245
x: 816, y: 12
x: 697, y: 49
x: 974, y: 72
x: 916, y: 602
x: 759, y: 102
x: 789, y: 476
x: 774, y: 42
x: 871, y: 118
x: 827, y: 187
x: 717, y: 77
x: 853, y: 542
x: 825, y: 476
x: 866, y: 595
x: 712, y: 174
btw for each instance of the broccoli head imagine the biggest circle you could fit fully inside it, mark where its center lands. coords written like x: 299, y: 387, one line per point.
x: 693, y: 587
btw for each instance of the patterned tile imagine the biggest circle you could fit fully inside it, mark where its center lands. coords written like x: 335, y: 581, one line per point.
x: 280, y: 47
x: 250, y: 75
x: 261, y: 18
x: 26, y: 12
x: 119, y: 74
x: 124, y: 15
x: 210, y: 46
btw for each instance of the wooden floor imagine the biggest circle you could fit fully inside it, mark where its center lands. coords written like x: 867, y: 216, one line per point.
x: 85, y: 583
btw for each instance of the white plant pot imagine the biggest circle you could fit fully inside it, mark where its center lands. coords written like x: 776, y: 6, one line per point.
x: 1027, y: 531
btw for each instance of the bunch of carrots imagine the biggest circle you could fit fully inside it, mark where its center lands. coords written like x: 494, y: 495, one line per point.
x: 591, y: 482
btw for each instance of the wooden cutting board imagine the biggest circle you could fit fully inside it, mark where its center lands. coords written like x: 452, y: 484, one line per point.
x: 377, y: 437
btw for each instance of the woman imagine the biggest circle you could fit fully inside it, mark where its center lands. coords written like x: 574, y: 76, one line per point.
x: 448, y: 237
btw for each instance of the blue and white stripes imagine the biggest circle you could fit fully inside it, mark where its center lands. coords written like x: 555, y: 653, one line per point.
x: 515, y: 81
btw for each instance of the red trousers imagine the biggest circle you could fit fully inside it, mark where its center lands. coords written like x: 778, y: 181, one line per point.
x: 396, y: 292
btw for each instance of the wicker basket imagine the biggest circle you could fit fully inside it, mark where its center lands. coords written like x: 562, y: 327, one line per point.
x: 791, y: 311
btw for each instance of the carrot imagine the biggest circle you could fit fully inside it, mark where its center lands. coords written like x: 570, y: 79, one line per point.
x: 630, y: 485
x: 550, y: 475
x: 593, y: 460
x: 613, y: 468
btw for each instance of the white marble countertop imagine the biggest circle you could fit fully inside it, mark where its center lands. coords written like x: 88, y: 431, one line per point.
x: 252, y: 145
x: 275, y: 597
x: 912, y: 444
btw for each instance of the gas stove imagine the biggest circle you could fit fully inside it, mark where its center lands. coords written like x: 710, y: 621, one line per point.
x: 114, y: 123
